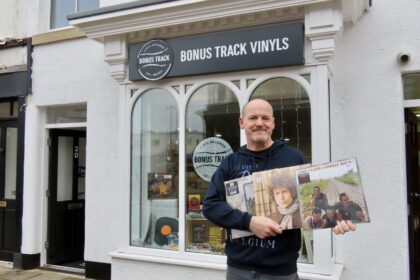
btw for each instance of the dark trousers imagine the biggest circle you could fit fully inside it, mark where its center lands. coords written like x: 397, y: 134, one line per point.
x: 241, y: 274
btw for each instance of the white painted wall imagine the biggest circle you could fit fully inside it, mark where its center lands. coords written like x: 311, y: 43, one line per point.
x: 367, y: 122
x: 75, y: 72
x: 135, y: 270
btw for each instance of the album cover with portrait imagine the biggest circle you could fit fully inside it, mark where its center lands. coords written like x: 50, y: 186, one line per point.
x: 276, y: 196
x: 331, y: 192
x: 270, y: 193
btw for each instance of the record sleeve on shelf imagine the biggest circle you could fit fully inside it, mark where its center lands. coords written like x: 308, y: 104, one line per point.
x: 164, y: 228
x: 160, y: 186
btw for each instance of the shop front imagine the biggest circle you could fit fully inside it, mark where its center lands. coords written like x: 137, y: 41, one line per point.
x: 185, y: 70
x: 14, y: 86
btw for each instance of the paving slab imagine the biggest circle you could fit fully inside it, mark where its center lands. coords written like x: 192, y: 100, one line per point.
x: 35, y: 274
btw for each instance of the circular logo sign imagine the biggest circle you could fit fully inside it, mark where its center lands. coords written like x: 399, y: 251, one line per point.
x: 207, y: 156
x: 154, y: 60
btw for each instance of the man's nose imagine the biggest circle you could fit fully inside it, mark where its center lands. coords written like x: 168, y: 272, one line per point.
x: 259, y: 121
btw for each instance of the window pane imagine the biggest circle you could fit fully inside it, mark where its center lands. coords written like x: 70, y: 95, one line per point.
x: 8, y: 109
x: 292, y: 114
x: 411, y: 86
x: 59, y: 11
x: 67, y: 114
x: 212, y: 111
x: 291, y: 110
x: 11, y: 163
x: 65, y: 168
x: 81, y: 169
x: 154, y: 171
x: 84, y: 5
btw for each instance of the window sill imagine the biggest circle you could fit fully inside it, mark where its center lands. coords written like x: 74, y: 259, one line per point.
x: 163, y: 260
x: 336, y: 275
x: 57, y: 35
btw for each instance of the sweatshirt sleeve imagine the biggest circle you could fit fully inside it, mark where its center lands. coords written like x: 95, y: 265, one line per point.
x: 215, y: 207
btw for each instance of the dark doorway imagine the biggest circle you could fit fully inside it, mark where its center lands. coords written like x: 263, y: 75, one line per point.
x: 9, y: 233
x: 66, y: 198
x: 412, y: 139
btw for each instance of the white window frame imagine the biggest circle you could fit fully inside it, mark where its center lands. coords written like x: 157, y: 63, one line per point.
x: 318, y: 92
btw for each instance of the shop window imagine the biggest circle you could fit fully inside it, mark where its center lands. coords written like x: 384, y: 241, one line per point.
x: 291, y: 109
x: 154, y: 171
x: 212, y: 132
x: 61, y: 8
x: 210, y: 115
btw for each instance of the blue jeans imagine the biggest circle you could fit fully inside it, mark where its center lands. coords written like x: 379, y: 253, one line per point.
x: 241, y: 274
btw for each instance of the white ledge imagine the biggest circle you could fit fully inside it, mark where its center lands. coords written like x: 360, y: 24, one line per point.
x: 336, y: 275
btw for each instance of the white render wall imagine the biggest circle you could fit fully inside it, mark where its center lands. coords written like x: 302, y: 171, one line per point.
x: 368, y: 123
x: 71, y: 72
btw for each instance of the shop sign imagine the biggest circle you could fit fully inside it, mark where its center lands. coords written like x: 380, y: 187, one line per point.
x: 208, y: 155
x: 244, y: 49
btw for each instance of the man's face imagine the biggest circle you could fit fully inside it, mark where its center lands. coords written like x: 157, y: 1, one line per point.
x: 330, y: 213
x: 345, y: 200
x: 317, y: 216
x: 283, y: 197
x: 258, y: 123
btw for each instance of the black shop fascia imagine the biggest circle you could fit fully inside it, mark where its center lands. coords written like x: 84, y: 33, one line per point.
x: 235, y: 50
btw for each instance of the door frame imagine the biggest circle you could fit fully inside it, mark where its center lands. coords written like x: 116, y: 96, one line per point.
x: 412, y: 184
x: 76, y: 129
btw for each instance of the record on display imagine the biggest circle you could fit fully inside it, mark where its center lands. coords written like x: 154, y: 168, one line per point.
x: 164, y: 227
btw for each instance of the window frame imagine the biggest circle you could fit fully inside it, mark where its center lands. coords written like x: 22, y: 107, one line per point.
x: 50, y: 16
x: 318, y: 93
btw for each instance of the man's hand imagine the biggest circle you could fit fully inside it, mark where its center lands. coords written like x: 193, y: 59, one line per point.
x: 344, y: 226
x: 264, y: 227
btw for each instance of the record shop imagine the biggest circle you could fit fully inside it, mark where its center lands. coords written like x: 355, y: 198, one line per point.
x: 182, y: 85
x: 184, y: 70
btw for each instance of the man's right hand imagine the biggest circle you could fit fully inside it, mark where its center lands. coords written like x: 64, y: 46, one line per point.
x: 264, y: 227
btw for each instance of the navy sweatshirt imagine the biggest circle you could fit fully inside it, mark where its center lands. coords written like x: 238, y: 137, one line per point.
x: 275, y: 255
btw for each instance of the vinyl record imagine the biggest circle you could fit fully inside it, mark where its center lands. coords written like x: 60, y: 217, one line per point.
x: 164, y: 227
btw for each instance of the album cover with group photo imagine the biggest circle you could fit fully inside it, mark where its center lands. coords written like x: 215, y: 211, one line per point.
x: 331, y: 192
x: 301, y: 196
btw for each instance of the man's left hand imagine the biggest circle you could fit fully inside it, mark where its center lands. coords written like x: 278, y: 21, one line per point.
x: 343, y: 226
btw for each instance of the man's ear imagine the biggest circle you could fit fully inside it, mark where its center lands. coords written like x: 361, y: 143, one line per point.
x: 241, y: 122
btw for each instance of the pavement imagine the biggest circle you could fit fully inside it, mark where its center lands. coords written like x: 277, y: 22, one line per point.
x: 36, y: 274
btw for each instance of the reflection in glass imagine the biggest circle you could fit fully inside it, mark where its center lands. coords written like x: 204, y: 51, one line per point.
x: 65, y: 168
x: 67, y: 114
x: 81, y: 170
x: 11, y: 163
x: 411, y: 86
x: 154, y: 171
x: 292, y: 112
x: 212, y: 111
x: 292, y: 115
x: 59, y: 11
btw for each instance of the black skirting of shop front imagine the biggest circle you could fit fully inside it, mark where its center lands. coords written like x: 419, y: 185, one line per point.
x: 97, y: 270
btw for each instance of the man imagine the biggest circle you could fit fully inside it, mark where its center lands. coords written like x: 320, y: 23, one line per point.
x: 315, y: 221
x: 271, y: 253
x: 319, y: 199
x: 348, y: 207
